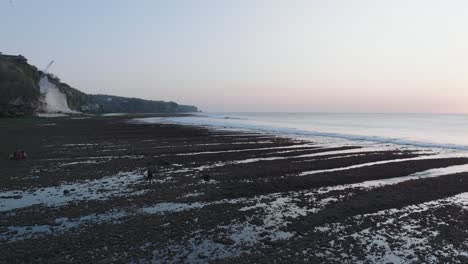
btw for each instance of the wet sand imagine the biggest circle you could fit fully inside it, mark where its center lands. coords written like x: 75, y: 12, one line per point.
x: 82, y: 197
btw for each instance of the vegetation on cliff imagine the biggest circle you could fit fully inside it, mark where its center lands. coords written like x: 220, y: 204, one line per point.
x: 20, y: 94
x: 19, y: 90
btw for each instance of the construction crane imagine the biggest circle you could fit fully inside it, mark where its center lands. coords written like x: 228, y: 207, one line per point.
x: 44, y: 72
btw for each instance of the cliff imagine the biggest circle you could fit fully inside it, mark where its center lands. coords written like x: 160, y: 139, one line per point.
x: 20, y: 94
x: 19, y: 89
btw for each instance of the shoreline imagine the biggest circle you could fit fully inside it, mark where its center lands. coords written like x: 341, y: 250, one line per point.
x: 227, y: 122
x: 82, y: 197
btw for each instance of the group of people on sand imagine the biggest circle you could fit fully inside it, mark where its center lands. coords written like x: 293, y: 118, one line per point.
x: 151, y: 170
x: 19, y: 154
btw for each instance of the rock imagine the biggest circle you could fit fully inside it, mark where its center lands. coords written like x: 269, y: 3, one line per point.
x: 224, y: 241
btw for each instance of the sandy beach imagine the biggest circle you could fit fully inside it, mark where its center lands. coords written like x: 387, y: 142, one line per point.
x: 222, y: 196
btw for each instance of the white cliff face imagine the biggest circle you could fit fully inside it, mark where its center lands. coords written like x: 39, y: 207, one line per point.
x: 44, y: 84
x: 55, y: 101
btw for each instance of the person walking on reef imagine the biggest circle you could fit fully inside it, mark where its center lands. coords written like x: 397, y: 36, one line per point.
x: 149, y: 173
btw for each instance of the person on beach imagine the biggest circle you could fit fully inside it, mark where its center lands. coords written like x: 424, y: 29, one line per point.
x: 149, y: 173
x: 206, y: 177
x: 19, y: 155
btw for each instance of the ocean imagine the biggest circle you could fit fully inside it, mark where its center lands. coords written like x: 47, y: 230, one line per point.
x: 423, y: 130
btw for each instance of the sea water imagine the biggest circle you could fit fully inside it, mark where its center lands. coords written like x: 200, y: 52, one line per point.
x: 424, y: 130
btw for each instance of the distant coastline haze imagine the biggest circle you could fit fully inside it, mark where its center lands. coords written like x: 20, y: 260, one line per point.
x: 253, y: 55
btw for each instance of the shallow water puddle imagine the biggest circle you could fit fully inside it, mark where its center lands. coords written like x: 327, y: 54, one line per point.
x: 17, y: 233
x: 63, y: 224
x: 424, y: 157
x: 407, y: 235
x: 101, y: 189
x: 305, y: 146
x: 274, y: 212
x: 251, y: 160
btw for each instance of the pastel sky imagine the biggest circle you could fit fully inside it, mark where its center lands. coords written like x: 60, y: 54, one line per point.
x: 253, y: 55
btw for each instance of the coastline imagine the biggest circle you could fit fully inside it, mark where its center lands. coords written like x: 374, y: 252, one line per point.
x: 415, y: 130
x: 82, y: 196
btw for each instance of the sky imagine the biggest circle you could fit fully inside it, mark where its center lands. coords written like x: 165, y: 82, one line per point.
x: 253, y: 55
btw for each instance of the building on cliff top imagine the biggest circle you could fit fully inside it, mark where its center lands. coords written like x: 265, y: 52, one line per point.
x: 18, y: 58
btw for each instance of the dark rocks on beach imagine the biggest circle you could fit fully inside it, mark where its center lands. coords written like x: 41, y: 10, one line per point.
x: 224, y: 241
x: 206, y: 177
x: 230, y: 213
x: 11, y: 197
x: 165, y: 163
